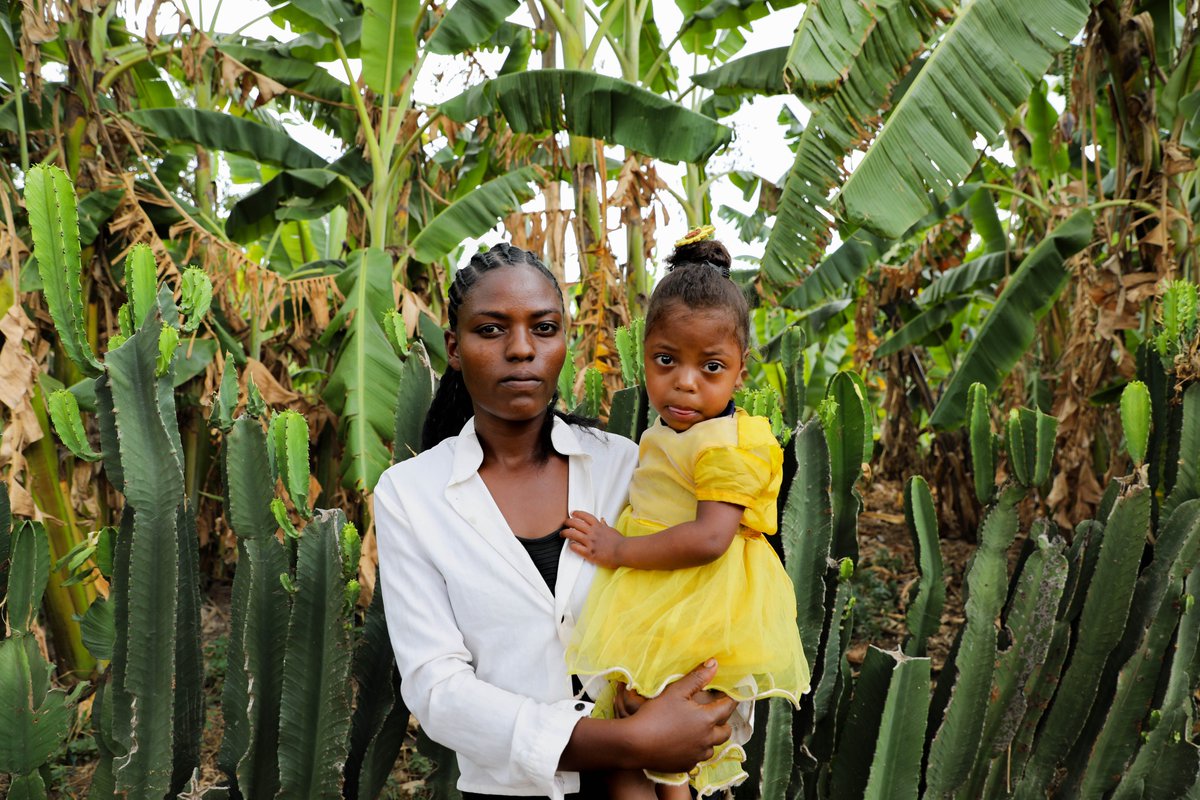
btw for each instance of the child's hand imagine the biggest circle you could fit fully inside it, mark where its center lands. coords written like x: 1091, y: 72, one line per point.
x: 594, y: 539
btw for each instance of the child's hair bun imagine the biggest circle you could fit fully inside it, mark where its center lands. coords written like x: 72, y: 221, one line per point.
x: 698, y: 247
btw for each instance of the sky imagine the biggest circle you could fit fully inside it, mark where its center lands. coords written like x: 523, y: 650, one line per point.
x: 758, y: 144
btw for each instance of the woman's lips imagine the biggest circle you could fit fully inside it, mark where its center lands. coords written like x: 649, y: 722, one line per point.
x: 522, y: 382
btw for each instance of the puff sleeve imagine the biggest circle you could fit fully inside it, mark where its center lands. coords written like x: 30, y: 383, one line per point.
x: 731, y: 474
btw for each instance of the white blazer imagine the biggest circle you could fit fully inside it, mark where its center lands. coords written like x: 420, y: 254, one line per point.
x: 479, y: 639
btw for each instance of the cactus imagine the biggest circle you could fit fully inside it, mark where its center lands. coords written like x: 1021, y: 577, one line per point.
x: 314, y: 719
x: 896, y: 766
x: 1135, y: 419
x: 380, y: 719
x: 1176, y: 553
x: 806, y: 533
x: 1187, y: 471
x: 593, y: 392
x: 54, y: 223
x: 153, y: 484
x: 289, y: 440
x: 1029, y: 620
x: 64, y: 412
x: 37, y: 718
x: 1167, y: 763
x: 792, y: 364
x: 953, y: 748
x: 983, y: 458
x: 253, y: 681
x: 848, y: 430
x: 1101, y: 622
x: 630, y: 411
x: 630, y: 342
x: 925, y: 612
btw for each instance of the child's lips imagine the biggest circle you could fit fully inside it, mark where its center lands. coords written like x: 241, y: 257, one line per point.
x: 682, y: 413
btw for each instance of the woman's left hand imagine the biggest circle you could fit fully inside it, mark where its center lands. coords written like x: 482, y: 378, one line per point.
x: 594, y: 539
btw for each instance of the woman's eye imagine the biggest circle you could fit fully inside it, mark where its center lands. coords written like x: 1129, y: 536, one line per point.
x: 662, y: 359
x: 546, y: 327
x: 488, y: 330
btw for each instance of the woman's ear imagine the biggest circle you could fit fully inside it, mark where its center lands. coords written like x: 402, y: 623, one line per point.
x: 452, y: 351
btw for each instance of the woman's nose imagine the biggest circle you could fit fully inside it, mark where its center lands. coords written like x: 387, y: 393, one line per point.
x: 520, y: 346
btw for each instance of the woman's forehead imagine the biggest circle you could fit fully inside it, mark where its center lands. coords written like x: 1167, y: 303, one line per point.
x: 513, y: 287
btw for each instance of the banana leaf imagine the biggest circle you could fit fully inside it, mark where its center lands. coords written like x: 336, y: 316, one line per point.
x: 218, y: 131
x: 964, y: 278
x: 363, y: 385
x: 1008, y: 330
x: 917, y: 329
x: 596, y: 106
x: 828, y: 40
x: 474, y: 214
x: 980, y: 71
x: 840, y: 269
x: 838, y: 126
x: 757, y: 73
x: 389, y: 47
x: 469, y: 23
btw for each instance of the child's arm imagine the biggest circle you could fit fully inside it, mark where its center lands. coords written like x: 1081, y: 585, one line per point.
x: 689, y: 544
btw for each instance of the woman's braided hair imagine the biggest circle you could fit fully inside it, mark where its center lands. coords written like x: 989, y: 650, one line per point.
x: 451, y: 407
x: 698, y: 278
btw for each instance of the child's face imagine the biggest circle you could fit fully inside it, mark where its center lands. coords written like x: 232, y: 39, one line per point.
x: 694, y: 364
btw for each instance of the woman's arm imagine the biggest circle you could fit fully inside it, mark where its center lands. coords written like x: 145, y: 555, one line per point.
x: 689, y: 544
x: 670, y: 733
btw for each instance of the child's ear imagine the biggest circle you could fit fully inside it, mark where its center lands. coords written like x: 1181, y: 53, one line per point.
x: 744, y: 374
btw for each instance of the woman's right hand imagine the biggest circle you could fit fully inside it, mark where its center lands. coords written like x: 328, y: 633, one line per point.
x: 677, y: 730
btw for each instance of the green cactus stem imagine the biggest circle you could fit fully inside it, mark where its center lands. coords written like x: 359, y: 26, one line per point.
x: 1135, y: 420
x: 1176, y: 553
x: 289, y: 439
x: 1101, y: 624
x: 64, y: 413
x: 925, y: 612
x: 37, y: 717
x: 983, y: 456
x: 895, y: 772
x: 54, y: 223
x: 847, y: 430
x: 314, y: 719
x: 1030, y: 620
x: 958, y: 736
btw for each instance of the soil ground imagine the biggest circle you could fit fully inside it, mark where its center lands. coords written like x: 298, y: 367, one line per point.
x: 886, y: 579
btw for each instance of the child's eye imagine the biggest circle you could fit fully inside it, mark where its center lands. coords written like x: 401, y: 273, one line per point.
x: 662, y: 359
x: 714, y: 366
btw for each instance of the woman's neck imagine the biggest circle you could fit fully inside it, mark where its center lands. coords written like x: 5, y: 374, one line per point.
x: 510, y: 445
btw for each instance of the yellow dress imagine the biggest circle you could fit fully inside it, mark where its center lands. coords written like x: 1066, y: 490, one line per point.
x: 647, y: 628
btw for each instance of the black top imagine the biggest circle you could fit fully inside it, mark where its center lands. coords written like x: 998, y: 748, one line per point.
x: 544, y: 551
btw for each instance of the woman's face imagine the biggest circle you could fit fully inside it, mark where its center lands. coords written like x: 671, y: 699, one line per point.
x: 509, y: 343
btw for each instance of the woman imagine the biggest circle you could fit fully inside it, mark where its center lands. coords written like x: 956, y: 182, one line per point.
x: 481, y: 596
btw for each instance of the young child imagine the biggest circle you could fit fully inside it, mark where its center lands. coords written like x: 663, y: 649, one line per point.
x: 688, y: 573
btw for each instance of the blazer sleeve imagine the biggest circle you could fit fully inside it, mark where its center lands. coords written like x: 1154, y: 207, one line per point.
x: 509, y: 735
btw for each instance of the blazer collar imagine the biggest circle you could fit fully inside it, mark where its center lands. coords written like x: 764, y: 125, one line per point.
x: 468, y: 451
x: 469, y: 496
